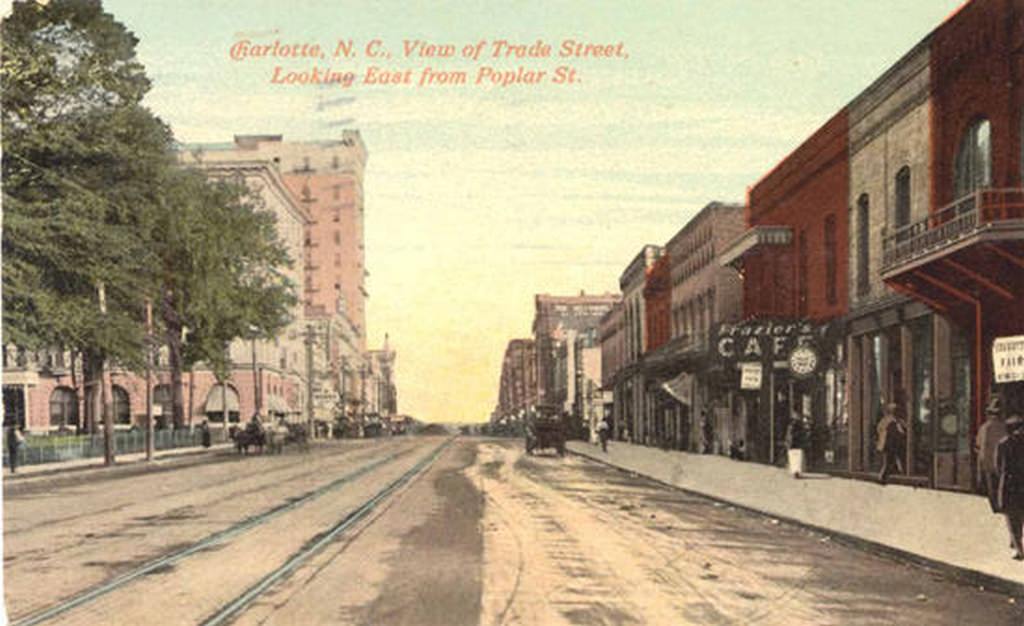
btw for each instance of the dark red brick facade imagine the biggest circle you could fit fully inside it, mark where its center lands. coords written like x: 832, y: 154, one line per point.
x: 977, y: 63
x: 658, y: 303
x: 807, y: 192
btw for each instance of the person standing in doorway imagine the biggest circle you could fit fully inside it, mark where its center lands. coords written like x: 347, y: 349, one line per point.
x: 891, y: 437
x: 1010, y: 463
x: 989, y: 435
x: 796, y: 441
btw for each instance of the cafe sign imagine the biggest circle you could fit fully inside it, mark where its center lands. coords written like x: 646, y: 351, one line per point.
x: 767, y: 342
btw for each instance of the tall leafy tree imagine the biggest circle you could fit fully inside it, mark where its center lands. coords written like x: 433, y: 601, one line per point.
x: 80, y: 155
x: 221, y: 262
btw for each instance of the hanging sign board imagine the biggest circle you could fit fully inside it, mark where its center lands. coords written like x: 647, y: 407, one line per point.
x: 1008, y: 359
x: 750, y: 375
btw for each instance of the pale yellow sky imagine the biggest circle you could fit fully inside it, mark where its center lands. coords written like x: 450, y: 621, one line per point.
x: 476, y: 199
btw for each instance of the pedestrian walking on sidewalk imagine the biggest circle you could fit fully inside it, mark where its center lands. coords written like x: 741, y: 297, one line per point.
x: 14, y: 441
x: 602, y: 434
x: 1010, y: 462
x: 892, y: 434
x: 987, y: 441
x: 796, y: 441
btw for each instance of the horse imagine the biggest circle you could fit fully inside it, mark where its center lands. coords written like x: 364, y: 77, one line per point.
x: 250, y: 436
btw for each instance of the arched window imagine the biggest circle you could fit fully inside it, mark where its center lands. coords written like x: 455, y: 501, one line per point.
x: 902, y: 216
x: 973, y: 166
x: 122, y: 405
x: 863, y: 240
x: 64, y: 407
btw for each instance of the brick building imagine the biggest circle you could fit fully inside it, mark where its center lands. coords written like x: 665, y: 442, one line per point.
x: 794, y: 268
x: 699, y: 294
x: 518, y: 386
x: 629, y: 381
x: 557, y: 321
x: 612, y: 336
x: 44, y: 390
x: 963, y: 259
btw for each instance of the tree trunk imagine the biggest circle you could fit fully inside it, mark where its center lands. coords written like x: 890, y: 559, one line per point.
x: 172, y: 336
x: 92, y: 375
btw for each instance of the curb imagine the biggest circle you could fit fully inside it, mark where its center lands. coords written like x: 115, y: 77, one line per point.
x: 956, y: 573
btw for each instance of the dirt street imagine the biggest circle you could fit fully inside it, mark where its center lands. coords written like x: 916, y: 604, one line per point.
x: 484, y: 534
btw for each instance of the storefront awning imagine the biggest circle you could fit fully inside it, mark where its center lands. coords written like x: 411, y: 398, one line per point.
x: 754, y: 238
x: 680, y: 388
x: 277, y: 404
x: 215, y: 400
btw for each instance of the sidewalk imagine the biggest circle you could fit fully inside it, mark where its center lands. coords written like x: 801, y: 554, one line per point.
x: 955, y: 532
x: 48, y: 469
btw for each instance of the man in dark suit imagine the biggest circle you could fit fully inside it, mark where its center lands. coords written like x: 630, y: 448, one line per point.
x: 1010, y: 462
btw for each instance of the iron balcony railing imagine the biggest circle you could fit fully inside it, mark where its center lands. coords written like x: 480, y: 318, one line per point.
x: 951, y: 223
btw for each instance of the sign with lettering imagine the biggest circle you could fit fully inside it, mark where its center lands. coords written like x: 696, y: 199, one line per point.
x: 750, y: 375
x: 1008, y: 359
x: 764, y: 341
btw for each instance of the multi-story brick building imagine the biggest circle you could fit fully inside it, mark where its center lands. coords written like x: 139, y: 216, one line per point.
x: 44, y: 391
x: 612, y: 335
x: 629, y: 383
x: 556, y: 323
x: 794, y: 267
x: 518, y: 386
x: 696, y: 294
x: 963, y: 258
x: 327, y: 177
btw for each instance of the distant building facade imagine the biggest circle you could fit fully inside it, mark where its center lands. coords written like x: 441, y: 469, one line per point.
x: 557, y: 321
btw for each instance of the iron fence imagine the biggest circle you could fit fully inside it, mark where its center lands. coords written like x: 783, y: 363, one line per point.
x: 57, y: 448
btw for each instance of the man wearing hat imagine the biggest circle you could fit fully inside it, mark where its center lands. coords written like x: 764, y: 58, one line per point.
x: 1010, y: 463
x: 891, y: 439
x: 989, y: 435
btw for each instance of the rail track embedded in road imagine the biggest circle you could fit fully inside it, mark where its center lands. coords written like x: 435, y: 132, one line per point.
x: 239, y: 604
x: 204, y: 543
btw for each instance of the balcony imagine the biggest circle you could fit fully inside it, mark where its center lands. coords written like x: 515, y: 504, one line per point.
x: 965, y: 258
x: 998, y: 212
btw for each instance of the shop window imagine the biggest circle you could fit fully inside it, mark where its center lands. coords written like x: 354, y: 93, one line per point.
x: 63, y: 407
x: 863, y: 222
x: 121, y: 404
x: 831, y: 294
x: 973, y: 165
x: 902, y: 215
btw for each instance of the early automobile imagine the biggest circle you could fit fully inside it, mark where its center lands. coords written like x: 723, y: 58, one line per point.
x: 545, y: 432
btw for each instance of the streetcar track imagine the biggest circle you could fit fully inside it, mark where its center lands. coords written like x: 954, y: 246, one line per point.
x: 318, y: 543
x: 205, y: 544
x: 190, y: 488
